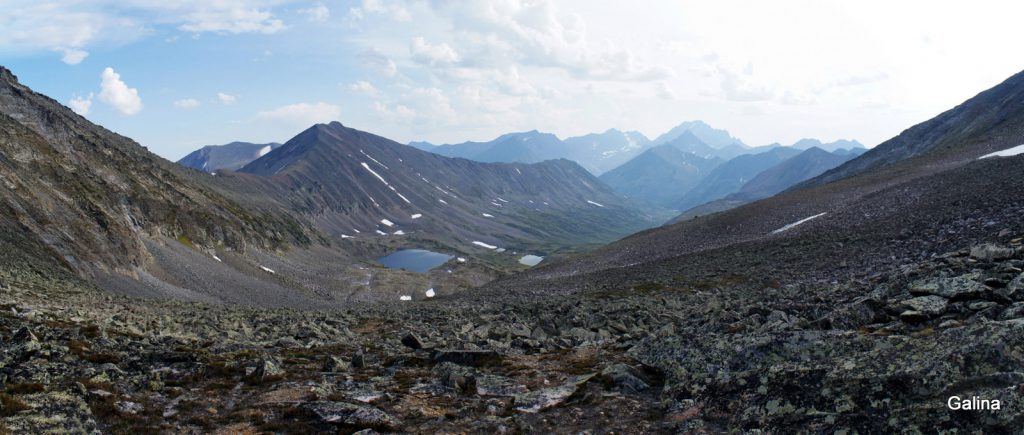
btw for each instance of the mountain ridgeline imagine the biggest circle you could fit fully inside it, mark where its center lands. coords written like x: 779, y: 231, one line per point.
x: 353, y: 180
x: 231, y: 156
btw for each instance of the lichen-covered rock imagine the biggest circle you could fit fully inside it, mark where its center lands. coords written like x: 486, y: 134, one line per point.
x: 356, y: 416
x: 536, y: 401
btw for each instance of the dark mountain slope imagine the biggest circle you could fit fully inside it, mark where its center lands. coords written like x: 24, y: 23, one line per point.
x: 808, y: 164
x: 231, y: 156
x: 601, y: 152
x: 730, y: 176
x: 771, y: 181
x: 353, y: 180
x: 658, y: 175
x: 990, y: 120
x: 88, y: 197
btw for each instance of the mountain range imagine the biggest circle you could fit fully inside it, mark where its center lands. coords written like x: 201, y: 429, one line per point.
x: 143, y: 296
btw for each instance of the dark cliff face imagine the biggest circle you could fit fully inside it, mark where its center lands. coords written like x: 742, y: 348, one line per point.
x: 78, y: 193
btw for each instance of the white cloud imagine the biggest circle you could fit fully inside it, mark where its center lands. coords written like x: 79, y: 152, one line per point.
x: 665, y: 92
x: 302, y: 114
x: 187, y: 103
x: 395, y: 10
x: 426, y: 53
x: 226, y: 99
x: 230, y: 17
x: 73, y: 56
x: 365, y: 88
x: 81, y: 105
x: 318, y: 13
x: 117, y: 94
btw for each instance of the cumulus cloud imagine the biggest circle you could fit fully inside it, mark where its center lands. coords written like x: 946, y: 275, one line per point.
x: 364, y: 87
x: 302, y: 114
x: 117, y: 94
x: 73, y: 56
x: 426, y: 53
x: 187, y: 103
x: 81, y: 105
x: 318, y: 13
x: 665, y: 92
x: 226, y: 99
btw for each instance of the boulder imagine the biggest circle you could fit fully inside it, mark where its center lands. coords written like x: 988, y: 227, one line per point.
x: 991, y: 252
x: 412, y: 341
x: 474, y: 358
x: 956, y: 288
x: 536, y: 401
x: 334, y: 364
x: 355, y: 416
x: 624, y: 377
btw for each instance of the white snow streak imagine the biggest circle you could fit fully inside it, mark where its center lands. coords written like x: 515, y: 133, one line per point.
x: 502, y: 200
x: 460, y: 260
x: 346, y: 236
x: 405, y: 298
x: 387, y: 222
x: 375, y: 160
x: 1019, y: 149
x: 592, y: 202
x: 442, y: 201
x: 399, y: 233
x: 217, y: 258
x: 485, y: 245
x: 416, y: 216
x: 487, y: 215
x: 381, y: 233
x: 374, y: 173
x: 794, y: 224
x: 267, y: 270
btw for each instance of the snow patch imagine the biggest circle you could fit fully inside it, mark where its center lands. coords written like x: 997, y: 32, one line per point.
x: 217, y: 258
x: 357, y: 231
x: 495, y: 204
x: 387, y: 222
x: 405, y: 298
x: 268, y: 270
x: 346, y: 236
x: 399, y: 233
x: 381, y: 233
x: 518, y: 171
x: 442, y: 201
x: 460, y: 260
x: 1019, y: 149
x: 430, y: 293
x: 485, y: 245
x: 375, y: 160
x: 416, y: 216
x: 502, y: 200
x: 487, y: 215
x: 794, y: 224
x: 591, y: 202
x: 264, y: 151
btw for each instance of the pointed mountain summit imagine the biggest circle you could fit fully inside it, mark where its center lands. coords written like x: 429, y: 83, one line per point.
x: 709, y: 135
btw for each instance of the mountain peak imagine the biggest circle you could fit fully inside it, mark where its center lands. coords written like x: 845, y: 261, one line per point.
x: 8, y: 76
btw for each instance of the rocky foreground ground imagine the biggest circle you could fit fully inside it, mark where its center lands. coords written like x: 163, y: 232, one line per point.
x: 727, y: 353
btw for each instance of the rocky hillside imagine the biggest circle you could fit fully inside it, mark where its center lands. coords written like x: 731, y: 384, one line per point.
x: 231, y: 156
x: 729, y: 177
x: 81, y: 198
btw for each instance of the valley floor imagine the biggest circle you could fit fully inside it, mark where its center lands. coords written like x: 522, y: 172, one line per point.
x: 727, y: 352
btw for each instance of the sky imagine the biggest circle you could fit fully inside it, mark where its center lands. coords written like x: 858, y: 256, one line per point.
x: 179, y: 74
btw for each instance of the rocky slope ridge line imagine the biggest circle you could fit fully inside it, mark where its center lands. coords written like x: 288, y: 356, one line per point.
x: 76, y: 195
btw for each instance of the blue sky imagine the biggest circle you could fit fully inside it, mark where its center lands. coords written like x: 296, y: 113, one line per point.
x: 179, y: 74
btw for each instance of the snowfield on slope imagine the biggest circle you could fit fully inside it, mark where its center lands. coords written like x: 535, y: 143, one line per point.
x: 794, y: 224
x: 1009, y: 152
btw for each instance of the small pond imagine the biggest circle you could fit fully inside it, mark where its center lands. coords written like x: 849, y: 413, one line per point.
x: 414, y: 260
x: 531, y: 260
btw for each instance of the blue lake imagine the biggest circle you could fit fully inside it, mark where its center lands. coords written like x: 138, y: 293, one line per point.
x: 414, y: 260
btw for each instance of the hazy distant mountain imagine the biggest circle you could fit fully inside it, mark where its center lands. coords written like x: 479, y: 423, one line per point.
x: 806, y: 165
x: 231, y: 156
x: 729, y: 177
x: 804, y: 144
x: 597, y: 152
x: 601, y: 152
x: 688, y: 143
x: 710, y: 136
x: 659, y: 174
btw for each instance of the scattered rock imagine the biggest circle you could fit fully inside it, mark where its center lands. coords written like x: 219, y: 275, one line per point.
x: 334, y: 364
x: 474, y: 358
x: 990, y: 252
x: 536, y: 401
x: 412, y: 341
x: 624, y: 377
x: 956, y: 288
x: 265, y: 370
x: 356, y: 416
